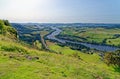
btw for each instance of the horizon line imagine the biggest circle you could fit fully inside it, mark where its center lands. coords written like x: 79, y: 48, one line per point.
x: 65, y: 22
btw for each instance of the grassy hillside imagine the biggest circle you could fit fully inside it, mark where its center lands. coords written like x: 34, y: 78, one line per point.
x: 7, y: 30
x: 21, y: 61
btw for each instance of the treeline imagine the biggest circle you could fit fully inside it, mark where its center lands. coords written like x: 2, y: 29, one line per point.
x: 72, y: 38
x: 81, y: 39
x: 76, y: 46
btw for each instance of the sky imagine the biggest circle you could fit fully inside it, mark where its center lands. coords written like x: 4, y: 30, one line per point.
x: 61, y: 11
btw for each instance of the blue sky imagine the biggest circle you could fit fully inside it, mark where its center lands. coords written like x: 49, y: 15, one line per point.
x: 57, y: 11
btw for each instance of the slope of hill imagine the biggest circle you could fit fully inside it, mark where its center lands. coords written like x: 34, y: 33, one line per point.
x: 20, y: 61
x: 7, y: 30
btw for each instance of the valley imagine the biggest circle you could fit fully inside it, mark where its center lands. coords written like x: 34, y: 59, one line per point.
x: 57, y: 31
x: 59, y: 39
x: 63, y: 58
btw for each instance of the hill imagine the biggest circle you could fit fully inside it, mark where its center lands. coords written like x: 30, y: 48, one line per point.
x: 22, y: 61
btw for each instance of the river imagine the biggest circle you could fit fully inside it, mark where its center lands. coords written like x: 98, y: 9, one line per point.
x: 92, y: 46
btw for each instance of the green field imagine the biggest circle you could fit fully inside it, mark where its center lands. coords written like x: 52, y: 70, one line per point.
x: 94, y: 35
x: 114, y: 41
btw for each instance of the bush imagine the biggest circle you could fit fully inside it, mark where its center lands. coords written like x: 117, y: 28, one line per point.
x: 12, y: 31
x: 112, y: 58
x: 6, y: 22
x: 6, y: 29
x: 13, y: 48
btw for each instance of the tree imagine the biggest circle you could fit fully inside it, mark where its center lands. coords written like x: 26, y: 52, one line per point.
x: 6, y: 22
x: 113, y: 58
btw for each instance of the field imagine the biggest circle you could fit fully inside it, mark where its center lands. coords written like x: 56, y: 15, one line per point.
x: 93, y: 35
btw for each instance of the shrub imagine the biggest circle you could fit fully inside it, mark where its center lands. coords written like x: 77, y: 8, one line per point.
x: 113, y: 58
x: 13, y: 48
x: 6, y: 29
x: 6, y: 22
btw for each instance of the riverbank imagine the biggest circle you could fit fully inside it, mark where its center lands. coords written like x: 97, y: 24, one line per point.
x: 57, y: 31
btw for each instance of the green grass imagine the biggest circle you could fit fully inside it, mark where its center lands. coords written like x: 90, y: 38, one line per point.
x: 69, y: 52
x: 43, y: 33
x: 90, y: 60
x: 63, y: 50
x: 15, y: 65
x: 113, y: 41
